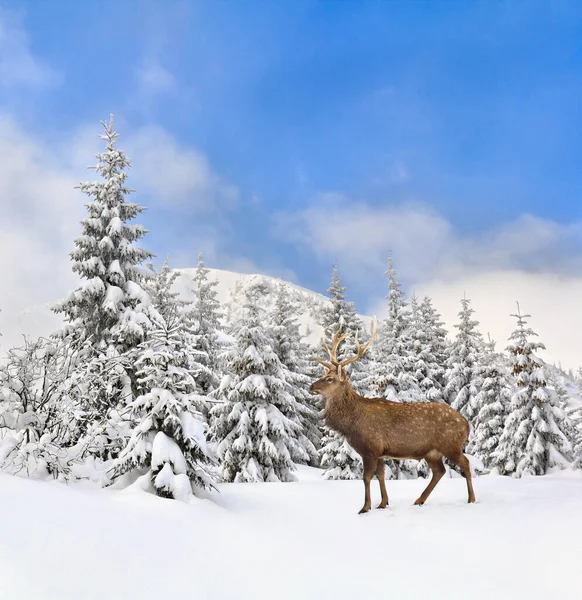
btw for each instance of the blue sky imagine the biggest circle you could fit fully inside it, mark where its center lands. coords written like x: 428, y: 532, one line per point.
x: 447, y: 132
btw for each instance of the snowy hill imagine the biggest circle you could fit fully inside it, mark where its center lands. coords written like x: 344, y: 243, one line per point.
x: 299, y: 540
x: 41, y: 321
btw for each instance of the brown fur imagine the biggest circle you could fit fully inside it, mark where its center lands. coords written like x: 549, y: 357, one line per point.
x: 378, y: 428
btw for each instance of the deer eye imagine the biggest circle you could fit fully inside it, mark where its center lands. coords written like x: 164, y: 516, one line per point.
x: 329, y: 379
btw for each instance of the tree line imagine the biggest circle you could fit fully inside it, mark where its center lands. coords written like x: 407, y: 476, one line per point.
x: 141, y: 387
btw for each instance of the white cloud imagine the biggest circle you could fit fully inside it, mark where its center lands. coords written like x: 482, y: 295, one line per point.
x: 18, y: 66
x: 39, y: 214
x: 155, y: 79
x: 531, y: 260
x: 553, y: 301
x: 177, y: 176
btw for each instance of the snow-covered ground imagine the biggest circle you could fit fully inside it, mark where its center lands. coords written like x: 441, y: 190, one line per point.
x: 522, y: 539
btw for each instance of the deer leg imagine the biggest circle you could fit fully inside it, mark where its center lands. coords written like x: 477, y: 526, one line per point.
x: 463, y: 463
x: 438, y: 470
x: 380, y: 475
x: 369, y: 469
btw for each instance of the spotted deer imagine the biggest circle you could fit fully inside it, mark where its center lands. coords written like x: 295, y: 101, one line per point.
x: 377, y: 428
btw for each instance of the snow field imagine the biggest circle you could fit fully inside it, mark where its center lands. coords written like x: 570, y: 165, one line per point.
x: 294, y: 540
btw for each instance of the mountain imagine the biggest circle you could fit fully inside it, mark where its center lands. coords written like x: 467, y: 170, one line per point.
x: 41, y: 321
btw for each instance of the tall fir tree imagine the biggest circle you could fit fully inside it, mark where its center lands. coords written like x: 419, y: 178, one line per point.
x: 463, y: 374
x: 427, y: 367
x: 110, y: 313
x: 390, y: 374
x: 206, y: 315
x: 255, y: 424
x: 339, y: 460
x: 293, y: 354
x: 491, y: 404
x: 168, y: 441
x: 110, y: 307
x: 533, y: 439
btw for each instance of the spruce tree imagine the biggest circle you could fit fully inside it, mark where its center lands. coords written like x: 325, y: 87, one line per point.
x: 390, y: 375
x: 463, y: 378
x: 255, y: 424
x: 533, y: 439
x: 110, y: 307
x: 427, y: 345
x: 168, y: 439
x: 293, y: 354
x: 206, y: 318
x: 491, y: 404
x: 340, y: 461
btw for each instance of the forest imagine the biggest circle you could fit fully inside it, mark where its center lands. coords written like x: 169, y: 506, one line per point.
x: 141, y: 387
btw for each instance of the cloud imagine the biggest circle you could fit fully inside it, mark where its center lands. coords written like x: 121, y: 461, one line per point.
x: 360, y: 236
x: 425, y: 243
x: 535, y: 261
x: 553, y: 301
x: 177, y: 176
x: 18, y: 66
x: 39, y: 216
x: 155, y: 79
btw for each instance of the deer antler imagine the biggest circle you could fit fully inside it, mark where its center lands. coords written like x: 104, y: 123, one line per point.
x: 359, y: 349
x: 336, y: 340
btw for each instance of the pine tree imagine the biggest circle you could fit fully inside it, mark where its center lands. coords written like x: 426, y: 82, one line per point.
x: 463, y: 379
x: 168, y: 440
x: 340, y: 461
x: 338, y: 458
x: 533, y: 439
x: 390, y: 375
x: 110, y: 307
x: 255, y: 424
x: 206, y: 315
x: 491, y: 405
x: 292, y: 353
x: 427, y: 351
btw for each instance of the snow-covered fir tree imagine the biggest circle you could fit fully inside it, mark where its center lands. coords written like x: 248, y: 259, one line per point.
x: 207, y: 316
x: 173, y: 309
x: 390, y: 372
x: 491, y: 404
x: 463, y: 375
x: 390, y: 375
x: 293, y: 354
x: 109, y: 314
x: 255, y: 424
x: 110, y: 307
x: 340, y: 311
x: 339, y: 460
x: 533, y: 439
x: 168, y: 442
x: 427, y: 344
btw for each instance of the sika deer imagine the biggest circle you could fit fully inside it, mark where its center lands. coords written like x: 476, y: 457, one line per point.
x: 378, y: 428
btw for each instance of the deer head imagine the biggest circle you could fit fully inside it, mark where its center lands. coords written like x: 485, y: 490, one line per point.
x: 335, y: 377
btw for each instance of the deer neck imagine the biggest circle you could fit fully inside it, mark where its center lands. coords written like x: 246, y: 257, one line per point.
x: 342, y: 409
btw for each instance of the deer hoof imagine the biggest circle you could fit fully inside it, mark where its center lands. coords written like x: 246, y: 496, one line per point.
x: 382, y: 505
x: 418, y: 502
x: 471, y: 500
x: 364, y: 510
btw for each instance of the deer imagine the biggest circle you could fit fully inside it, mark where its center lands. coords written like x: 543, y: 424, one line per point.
x: 377, y: 428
